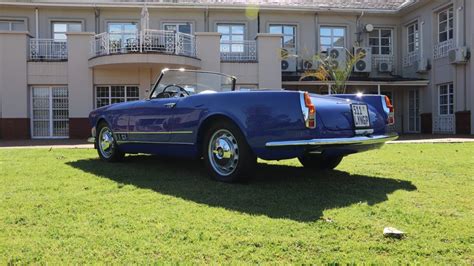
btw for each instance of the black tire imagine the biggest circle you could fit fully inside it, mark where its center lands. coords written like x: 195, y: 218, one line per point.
x: 229, y: 163
x: 112, y: 153
x: 320, y: 162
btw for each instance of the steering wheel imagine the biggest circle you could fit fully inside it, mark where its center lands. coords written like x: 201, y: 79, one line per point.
x: 182, y: 91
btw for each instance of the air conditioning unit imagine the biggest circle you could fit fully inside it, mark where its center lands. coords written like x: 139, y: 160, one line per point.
x: 338, y: 57
x: 458, y: 55
x: 422, y: 66
x: 385, y: 67
x: 364, y: 64
x: 309, y: 64
x: 288, y: 62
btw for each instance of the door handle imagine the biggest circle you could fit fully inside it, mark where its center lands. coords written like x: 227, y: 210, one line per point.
x: 170, y: 105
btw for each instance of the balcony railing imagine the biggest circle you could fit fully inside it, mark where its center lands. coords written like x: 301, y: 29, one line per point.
x: 411, y: 59
x: 444, y: 124
x: 146, y: 41
x: 238, y: 51
x: 47, y: 50
x: 441, y: 49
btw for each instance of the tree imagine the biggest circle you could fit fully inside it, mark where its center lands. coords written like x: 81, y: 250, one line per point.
x: 328, y: 69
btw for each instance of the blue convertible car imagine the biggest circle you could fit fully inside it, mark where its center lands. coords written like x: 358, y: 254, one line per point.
x: 200, y: 114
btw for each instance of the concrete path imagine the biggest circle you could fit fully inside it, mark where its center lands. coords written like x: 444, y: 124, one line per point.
x: 83, y: 144
x: 423, y: 138
x: 45, y: 144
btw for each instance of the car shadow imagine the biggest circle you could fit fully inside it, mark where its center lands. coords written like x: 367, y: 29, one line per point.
x: 276, y: 191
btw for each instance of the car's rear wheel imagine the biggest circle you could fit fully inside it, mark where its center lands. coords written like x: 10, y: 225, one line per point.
x: 106, y: 145
x: 320, y: 162
x: 227, y: 155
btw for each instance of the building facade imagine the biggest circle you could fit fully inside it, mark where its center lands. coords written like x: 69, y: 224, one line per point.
x: 61, y: 59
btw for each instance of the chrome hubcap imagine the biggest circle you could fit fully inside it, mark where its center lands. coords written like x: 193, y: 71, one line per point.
x: 106, y: 142
x: 223, y: 152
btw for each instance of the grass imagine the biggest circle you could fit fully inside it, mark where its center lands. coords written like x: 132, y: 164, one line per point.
x: 60, y: 206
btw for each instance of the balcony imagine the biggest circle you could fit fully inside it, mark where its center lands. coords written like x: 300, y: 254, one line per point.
x: 238, y: 51
x: 411, y: 58
x: 145, y: 47
x: 441, y: 49
x: 47, y: 50
x: 146, y: 41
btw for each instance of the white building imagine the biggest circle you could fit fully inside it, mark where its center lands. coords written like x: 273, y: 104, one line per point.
x: 61, y: 59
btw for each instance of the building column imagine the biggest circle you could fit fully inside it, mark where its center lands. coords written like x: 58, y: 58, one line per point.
x: 14, y: 121
x: 80, y: 83
x: 269, y: 60
x: 208, y: 50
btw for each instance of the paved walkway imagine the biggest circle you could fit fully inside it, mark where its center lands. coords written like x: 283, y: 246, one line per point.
x: 422, y: 138
x: 83, y: 144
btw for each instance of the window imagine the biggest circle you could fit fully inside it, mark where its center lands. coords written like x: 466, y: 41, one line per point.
x: 381, y: 41
x: 178, y: 27
x: 288, y: 32
x: 413, y: 37
x: 12, y: 25
x: 232, y: 37
x: 60, y: 29
x: 446, y: 99
x: 446, y: 25
x: 105, y: 95
x: 331, y: 37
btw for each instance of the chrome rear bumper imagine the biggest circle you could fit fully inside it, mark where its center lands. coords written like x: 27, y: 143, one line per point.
x: 358, y: 140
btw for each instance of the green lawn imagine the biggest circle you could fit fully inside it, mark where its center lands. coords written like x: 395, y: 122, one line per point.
x: 61, y: 206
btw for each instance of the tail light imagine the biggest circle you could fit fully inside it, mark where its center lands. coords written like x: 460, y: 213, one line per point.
x: 308, y: 109
x: 391, y: 113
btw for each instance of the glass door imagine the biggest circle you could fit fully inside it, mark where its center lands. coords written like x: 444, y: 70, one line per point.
x: 414, y: 111
x: 122, y: 36
x: 49, y: 112
x: 182, y: 41
x: 178, y: 27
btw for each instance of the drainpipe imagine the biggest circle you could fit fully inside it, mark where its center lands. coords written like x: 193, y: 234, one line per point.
x: 359, y: 29
x: 258, y: 21
x: 462, y: 14
x: 316, y: 34
x: 206, y: 19
x: 36, y: 23
x: 421, y: 51
x: 36, y: 31
x: 97, y: 20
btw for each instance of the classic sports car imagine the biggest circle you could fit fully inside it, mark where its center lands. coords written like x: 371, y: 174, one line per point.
x: 200, y: 114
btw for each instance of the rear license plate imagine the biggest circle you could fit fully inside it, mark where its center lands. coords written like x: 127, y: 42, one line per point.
x: 360, y: 113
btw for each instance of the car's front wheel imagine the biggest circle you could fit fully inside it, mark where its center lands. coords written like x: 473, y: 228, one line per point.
x: 320, y: 162
x: 106, y: 145
x: 227, y: 155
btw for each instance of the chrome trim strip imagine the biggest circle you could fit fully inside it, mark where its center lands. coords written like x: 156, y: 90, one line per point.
x: 359, y: 140
x: 91, y: 140
x: 148, y: 133
x: 364, y: 131
x: 152, y: 142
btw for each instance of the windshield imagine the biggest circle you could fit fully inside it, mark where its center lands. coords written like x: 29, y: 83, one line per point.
x: 181, y: 83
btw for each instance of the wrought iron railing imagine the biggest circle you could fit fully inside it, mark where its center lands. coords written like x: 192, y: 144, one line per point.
x: 238, y: 51
x: 411, y: 58
x: 445, y: 124
x: 47, y: 50
x: 146, y: 41
x: 441, y: 49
